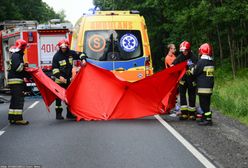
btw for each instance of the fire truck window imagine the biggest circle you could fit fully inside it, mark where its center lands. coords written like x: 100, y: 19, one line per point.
x: 113, y: 45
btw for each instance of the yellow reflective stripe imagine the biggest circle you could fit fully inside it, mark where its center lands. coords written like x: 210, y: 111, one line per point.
x: 15, y: 112
x: 15, y: 81
x: 70, y: 60
x: 20, y: 68
x: 62, y: 63
x: 57, y: 81
x: 82, y: 55
x: 184, y: 108
x: 182, y: 82
x: 205, y: 90
x: 192, y: 109
x: 55, y: 70
x: 208, y: 113
x: 58, y: 107
x: 206, y: 68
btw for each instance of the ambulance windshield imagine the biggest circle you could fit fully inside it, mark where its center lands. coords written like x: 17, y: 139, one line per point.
x: 113, y: 45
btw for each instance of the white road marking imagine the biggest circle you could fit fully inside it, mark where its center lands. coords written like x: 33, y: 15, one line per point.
x: 190, y: 147
x: 1, y: 132
x: 34, y: 104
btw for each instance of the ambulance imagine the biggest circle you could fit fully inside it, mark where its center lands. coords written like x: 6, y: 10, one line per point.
x: 116, y: 41
x: 42, y: 42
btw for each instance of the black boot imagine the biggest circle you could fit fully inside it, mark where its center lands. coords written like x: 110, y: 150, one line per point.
x: 59, y: 114
x: 184, y: 115
x: 69, y: 115
x: 205, y: 122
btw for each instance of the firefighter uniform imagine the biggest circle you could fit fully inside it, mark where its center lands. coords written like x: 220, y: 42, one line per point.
x: 187, y: 84
x: 62, y: 65
x: 16, y: 83
x: 204, y: 74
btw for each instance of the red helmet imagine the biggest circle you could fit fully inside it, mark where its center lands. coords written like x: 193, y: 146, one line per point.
x: 64, y: 43
x: 185, y: 45
x: 206, y: 49
x: 20, y: 44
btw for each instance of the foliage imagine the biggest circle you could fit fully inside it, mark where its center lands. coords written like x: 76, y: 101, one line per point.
x: 28, y: 10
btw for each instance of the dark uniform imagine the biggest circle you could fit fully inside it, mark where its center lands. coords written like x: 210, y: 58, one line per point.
x: 62, y: 66
x: 187, y: 83
x: 204, y: 74
x: 16, y: 74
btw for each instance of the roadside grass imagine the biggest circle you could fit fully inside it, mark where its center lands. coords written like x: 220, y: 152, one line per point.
x: 231, y: 95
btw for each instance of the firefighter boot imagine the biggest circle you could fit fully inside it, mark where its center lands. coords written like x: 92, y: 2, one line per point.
x: 205, y: 122
x: 183, y: 115
x: 19, y: 122
x: 69, y: 115
x: 59, y: 114
x: 192, y: 114
x: 207, y: 119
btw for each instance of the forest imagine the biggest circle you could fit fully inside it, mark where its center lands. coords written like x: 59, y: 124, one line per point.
x: 28, y: 10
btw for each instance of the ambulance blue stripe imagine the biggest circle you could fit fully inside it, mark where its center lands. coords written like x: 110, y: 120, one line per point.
x: 111, y: 65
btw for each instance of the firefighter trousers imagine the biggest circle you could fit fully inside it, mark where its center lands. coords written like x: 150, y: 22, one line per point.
x: 205, y: 100
x: 58, y: 105
x: 191, y: 89
x: 16, y: 102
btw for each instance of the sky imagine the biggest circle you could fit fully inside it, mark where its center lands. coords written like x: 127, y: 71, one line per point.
x: 73, y: 8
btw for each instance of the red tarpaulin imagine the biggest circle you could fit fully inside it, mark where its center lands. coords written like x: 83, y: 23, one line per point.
x: 47, y: 87
x: 96, y: 94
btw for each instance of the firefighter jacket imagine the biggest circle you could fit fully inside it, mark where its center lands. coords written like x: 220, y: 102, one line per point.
x: 204, y: 74
x: 191, y: 61
x: 16, y: 71
x: 62, y: 64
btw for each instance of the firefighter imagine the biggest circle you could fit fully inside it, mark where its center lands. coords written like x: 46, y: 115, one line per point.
x: 187, y: 83
x: 204, y: 74
x: 16, y: 75
x: 62, y: 65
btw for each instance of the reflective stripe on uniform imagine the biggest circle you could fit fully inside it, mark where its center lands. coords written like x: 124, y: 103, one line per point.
x: 55, y: 70
x: 82, y: 55
x: 57, y: 81
x: 192, y: 109
x: 181, y: 82
x: 71, y: 60
x: 184, y: 107
x: 205, y: 90
x: 20, y: 68
x: 15, y: 112
x: 15, y: 81
x: 62, y: 63
x: 58, y: 107
x: 207, y: 114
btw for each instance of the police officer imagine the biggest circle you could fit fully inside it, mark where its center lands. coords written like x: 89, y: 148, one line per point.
x: 187, y: 83
x: 62, y: 65
x: 204, y: 74
x: 16, y: 75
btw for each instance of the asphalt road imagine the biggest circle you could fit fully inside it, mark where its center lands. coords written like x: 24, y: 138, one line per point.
x: 140, y: 143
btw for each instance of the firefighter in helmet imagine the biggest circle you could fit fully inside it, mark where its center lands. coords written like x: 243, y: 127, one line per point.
x: 187, y: 83
x: 204, y: 74
x: 62, y: 65
x: 16, y: 75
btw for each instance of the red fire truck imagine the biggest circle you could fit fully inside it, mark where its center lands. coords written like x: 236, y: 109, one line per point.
x: 42, y: 42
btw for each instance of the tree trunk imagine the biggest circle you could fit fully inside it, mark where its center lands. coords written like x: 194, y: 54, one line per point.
x: 230, y: 43
x: 219, y: 42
